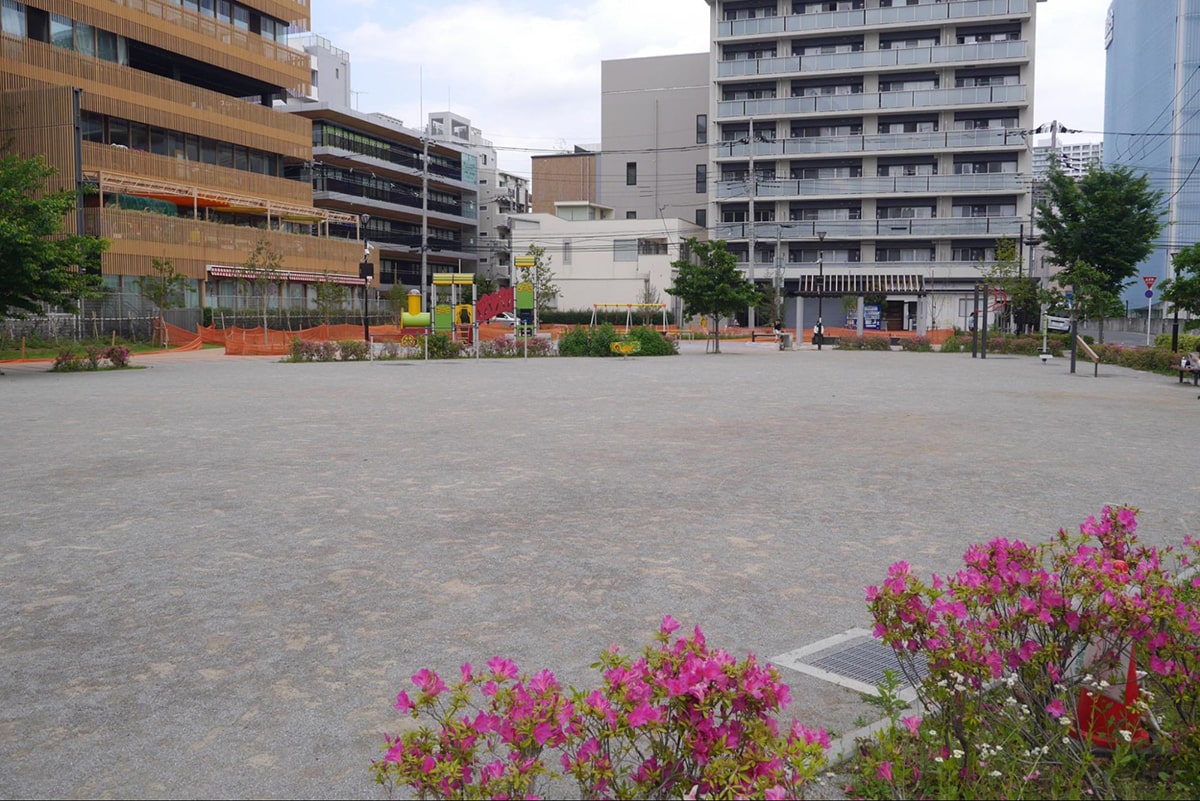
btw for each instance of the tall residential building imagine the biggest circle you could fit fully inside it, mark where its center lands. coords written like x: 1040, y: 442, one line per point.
x: 1073, y: 159
x: 871, y: 147
x: 165, y: 108
x: 654, y: 137
x: 1152, y: 114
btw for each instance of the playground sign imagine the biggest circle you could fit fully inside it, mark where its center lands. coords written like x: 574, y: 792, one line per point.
x: 525, y: 261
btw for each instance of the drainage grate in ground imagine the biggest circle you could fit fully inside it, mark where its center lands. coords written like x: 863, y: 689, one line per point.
x: 855, y: 660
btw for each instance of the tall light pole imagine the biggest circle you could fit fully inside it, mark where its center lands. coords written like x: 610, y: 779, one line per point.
x: 820, y: 289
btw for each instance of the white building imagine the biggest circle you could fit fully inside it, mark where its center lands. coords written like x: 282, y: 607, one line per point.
x: 597, y: 259
x: 1073, y: 159
x: 871, y: 146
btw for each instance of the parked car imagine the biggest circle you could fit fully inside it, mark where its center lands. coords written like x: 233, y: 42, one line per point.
x: 505, y: 318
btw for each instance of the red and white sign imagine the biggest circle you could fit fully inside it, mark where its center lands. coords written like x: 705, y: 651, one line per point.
x: 1149, y: 279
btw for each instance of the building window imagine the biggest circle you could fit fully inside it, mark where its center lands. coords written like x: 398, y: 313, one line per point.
x: 702, y: 218
x: 12, y: 18
x: 631, y: 215
x: 631, y: 173
x: 566, y: 252
x: 701, y: 179
x: 625, y: 250
x: 702, y: 129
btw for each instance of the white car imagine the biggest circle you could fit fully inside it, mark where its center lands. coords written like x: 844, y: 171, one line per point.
x: 505, y: 318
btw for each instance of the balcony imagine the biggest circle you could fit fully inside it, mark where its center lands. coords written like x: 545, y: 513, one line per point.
x: 991, y: 139
x: 981, y: 52
x: 868, y: 102
x: 873, y: 186
x: 875, y: 17
x: 937, y: 228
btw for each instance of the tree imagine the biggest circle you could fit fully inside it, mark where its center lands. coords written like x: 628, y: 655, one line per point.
x: 331, y: 299
x: 1005, y: 274
x: 1108, y: 220
x: 165, y: 289
x: 648, y: 296
x: 542, y: 278
x: 38, y: 264
x: 712, y: 285
x: 1183, y: 291
x: 264, y: 269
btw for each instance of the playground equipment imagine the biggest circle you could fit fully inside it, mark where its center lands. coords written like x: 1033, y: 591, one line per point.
x: 629, y: 308
x: 414, y: 317
x: 456, y: 317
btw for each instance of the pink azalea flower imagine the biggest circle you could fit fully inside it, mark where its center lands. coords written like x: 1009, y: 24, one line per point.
x: 775, y: 793
x: 503, y: 668
x: 429, y: 682
x: 542, y: 732
x: 403, y: 703
x: 885, y: 771
x: 913, y: 724
x: 644, y: 714
x: 466, y: 672
x: 1055, y: 708
x: 669, y: 625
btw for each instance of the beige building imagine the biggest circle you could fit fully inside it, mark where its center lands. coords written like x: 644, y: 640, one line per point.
x: 654, y: 153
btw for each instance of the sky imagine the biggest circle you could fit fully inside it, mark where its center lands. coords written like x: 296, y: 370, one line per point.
x: 527, y: 72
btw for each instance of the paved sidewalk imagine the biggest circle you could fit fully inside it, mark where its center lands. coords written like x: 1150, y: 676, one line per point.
x: 216, y: 573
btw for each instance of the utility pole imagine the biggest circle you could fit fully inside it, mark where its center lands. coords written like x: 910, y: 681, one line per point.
x: 425, y: 215
x: 753, y: 190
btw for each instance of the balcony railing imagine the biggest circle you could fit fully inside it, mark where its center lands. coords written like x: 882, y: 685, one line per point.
x: 919, y: 98
x: 874, y: 17
x: 876, y: 59
x: 936, y: 228
x: 906, y: 184
x: 870, y: 143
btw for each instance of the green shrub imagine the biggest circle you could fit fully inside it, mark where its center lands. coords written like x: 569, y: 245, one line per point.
x: 508, y: 347
x: 117, y: 355
x: 1188, y: 343
x: 442, y: 347
x: 865, y: 342
x: 1158, y: 360
x: 68, y: 361
x: 574, y: 342
x: 354, y: 350
x: 916, y: 345
x: 600, y: 340
x: 651, y: 342
x: 955, y: 344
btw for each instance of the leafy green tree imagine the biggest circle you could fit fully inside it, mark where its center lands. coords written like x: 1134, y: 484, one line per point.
x: 1108, y: 220
x: 542, y: 278
x: 397, y: 302
x: 331, y: 299
x: 1006, y: 274
x: 164, y: 288
x: 264, y: 269
x: 38, y: 264
x: 712, y: 284
x: 1183, y: 291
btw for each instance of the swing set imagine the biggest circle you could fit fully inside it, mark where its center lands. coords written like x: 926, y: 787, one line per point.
x: 629, y: 309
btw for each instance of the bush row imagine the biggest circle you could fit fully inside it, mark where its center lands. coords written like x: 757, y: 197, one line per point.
x: 92, y: 357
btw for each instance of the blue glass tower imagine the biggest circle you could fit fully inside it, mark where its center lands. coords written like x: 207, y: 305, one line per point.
x: 1152, y: 114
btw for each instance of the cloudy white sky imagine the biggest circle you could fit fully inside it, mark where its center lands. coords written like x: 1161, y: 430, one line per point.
x: 527, y: 72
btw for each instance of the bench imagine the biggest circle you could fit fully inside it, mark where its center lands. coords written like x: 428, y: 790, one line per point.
x: 757, y: 335
x: 1193, y: 360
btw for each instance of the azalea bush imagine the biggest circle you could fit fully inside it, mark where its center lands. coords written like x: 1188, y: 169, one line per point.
x: 93, y: 357
x: 511, y: 347
x: 1028, y: 653
x: 679, y: 720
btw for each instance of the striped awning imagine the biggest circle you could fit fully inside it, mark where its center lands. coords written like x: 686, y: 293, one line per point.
x: 862, y: 283
x: 291, y: 276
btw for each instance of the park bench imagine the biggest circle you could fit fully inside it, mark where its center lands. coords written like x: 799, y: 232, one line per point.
x: 756, y: 335
x: 1193, y: 367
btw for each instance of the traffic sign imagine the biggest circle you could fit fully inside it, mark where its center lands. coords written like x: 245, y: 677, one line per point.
x: 1149, y: 293
x: 1149, y: 281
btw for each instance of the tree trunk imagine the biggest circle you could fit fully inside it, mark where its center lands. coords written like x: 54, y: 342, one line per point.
x: 716, y: 333
x: 1100, y: 332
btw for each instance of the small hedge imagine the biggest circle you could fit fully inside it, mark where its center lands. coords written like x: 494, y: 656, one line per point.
x: 509, y: 347
x: 70, y: 360
x: 1188, y: 343
x: 584, y: 341
x: 864, y: 342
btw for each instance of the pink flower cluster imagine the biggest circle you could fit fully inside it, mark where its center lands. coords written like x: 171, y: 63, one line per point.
x: 681, y: 717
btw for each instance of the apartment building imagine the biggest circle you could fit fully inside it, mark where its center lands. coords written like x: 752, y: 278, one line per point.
x: 871, y: 147
x: 654, y: 137
x: 1073, y: 159
x: 563, y: 177
x: 165, y: 108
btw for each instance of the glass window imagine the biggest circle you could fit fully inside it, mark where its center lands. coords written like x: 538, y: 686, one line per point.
x: 61, y: 33
x: 192, y: 147
x: 701, y: 179
x: 241, y: 17
x: 224, y: 11
x: 122, y: 50
x: 118, y: 132
x: 625, y: 250
x: 224, y: 155
x: 175, y: 145
x: 139, y: 136
x: 631, y: 215
x: 241, y: 158
x: 631, y: 173
x: 701, y: 129
x: 85, y: 39
x: 702, y: 218
x: 106, y: 45
x: 158, y: 142
x: 258, y: 162
x: 208, y: 151
x: 208, y: 7
x: 12, y: 18
x: 566, y: 253
x: 92, y: 126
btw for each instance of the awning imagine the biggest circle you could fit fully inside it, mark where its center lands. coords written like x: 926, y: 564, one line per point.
x: 862, y: 283
x: 291, y: 276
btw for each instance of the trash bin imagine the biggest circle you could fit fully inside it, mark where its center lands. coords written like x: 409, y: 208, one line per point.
x: 785, y: 341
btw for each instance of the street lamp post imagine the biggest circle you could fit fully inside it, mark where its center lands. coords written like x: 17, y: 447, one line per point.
x: 820, y: 289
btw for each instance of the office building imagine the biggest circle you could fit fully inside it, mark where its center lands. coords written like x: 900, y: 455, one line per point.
x: 565, y: 177
x: 1152, y: 115
x: 166, y: 110
x: 871, y: 148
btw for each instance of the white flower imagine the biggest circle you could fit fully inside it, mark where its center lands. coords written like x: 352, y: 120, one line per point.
x: 996, y: 774
x: 1104, y: 685
x: 1088, y: 679
x: 1066, y: 741
x: 957, y: 753
x: 938, y: 759
x: 1127, y: 736
x: 1065, y: 720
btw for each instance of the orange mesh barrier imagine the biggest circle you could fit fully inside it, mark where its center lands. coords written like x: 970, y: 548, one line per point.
x: 182, y: 339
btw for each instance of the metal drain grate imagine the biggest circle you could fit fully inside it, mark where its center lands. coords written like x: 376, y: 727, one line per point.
x: 855, y: 660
